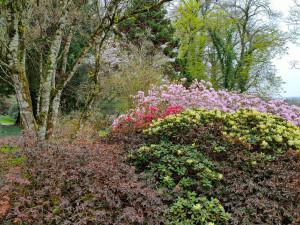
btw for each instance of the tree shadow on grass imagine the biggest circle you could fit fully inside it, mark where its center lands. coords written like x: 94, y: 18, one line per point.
x: 11, y: 130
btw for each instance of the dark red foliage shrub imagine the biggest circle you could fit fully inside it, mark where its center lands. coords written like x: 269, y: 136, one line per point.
x: 11, y: 164
x: 260, y: 191
x: 81, y: 184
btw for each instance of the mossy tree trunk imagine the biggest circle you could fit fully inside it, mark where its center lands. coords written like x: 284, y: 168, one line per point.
x: 16, y: 59
x: 47, y: 83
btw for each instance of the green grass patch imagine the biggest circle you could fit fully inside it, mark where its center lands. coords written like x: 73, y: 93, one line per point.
x: 8, y: 149
x: 7, y: 120
x: 10, y: 157
x: 17, y: 161
x: 7, y: 126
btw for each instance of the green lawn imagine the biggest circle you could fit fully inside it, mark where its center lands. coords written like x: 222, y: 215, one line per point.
x: 6, y: 120
x: 7, y: 127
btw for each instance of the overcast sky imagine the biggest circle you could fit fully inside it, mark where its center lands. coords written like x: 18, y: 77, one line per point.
x: 283, y: 65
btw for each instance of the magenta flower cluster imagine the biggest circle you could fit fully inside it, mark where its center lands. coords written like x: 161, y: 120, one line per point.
x: 201, y: 95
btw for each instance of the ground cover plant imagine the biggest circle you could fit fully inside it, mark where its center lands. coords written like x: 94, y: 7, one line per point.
x: 86, y: 183
x: 11, y: 165
x: 259, y: 191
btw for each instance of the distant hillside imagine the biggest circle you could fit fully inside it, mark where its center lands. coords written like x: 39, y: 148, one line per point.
x: 293, y: 100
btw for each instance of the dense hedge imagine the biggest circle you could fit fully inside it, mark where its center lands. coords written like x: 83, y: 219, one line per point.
x: 196, y: 168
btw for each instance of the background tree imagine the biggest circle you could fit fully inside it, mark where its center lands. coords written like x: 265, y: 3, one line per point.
x: 154, y: 29
x: 294, y: 18
x: 228, y: 44
x: 153, y: 26
x: 293, y: 22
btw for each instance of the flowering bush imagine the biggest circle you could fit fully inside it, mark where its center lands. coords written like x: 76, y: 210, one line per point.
x: 259, y: 131
x: 142, y: 117
x: 234, y: 154
x: 201, y: 95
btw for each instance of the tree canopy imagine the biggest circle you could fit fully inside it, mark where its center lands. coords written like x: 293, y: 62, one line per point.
x: 229, y: 44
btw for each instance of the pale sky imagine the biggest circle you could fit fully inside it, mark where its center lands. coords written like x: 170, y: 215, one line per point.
x: 283, y: 65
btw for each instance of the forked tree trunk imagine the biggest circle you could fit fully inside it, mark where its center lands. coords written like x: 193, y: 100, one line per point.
x: 47, y: 83
x: 56, y: 95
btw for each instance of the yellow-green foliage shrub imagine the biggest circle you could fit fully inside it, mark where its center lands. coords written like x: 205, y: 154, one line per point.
x: 258, y: 131
x: 192, y: 210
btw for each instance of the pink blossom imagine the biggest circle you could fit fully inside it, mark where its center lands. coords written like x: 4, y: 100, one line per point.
x: 173, y: 98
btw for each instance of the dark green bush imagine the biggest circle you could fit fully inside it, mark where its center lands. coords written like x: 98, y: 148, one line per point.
x: 182, y: 172
x: 176, y: 166
x: 257, y: 154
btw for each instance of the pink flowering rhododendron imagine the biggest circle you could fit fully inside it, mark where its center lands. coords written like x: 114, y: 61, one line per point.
x: 173, y: 98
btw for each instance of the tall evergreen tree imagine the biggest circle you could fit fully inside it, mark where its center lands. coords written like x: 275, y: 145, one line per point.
x: 153, y: 26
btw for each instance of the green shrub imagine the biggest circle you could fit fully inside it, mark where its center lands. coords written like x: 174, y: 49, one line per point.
x: 178, y: 166
x: 258, y: 131
x: 197, y: 210
x: 182, y: 171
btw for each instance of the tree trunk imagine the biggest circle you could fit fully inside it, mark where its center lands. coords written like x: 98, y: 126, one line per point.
x: 17, y: 53
x: 55, y: 101
x: 48, y: 79
x: 24, y: 101
x: 53, y: 114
